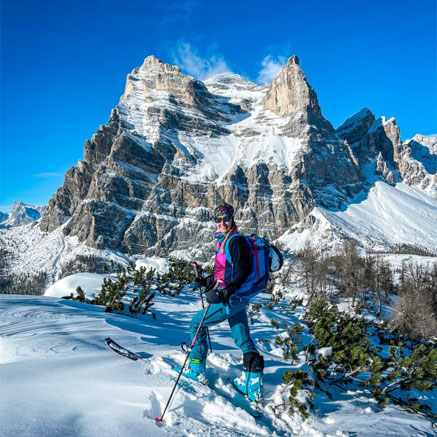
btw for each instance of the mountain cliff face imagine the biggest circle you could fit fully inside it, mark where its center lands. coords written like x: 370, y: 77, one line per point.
x: 174, y: 147
x: 413, y: 161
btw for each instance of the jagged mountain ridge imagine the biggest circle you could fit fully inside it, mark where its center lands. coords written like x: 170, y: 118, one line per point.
x: 21, y: 214
x: 175, y: 146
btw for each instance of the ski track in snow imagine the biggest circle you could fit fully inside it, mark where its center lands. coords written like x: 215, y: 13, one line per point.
x: 58, y: 377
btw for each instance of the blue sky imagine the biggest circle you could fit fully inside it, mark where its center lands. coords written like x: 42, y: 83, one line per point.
x: 64, y: 65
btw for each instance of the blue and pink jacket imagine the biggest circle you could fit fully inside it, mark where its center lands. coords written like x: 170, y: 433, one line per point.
x: 233, y: 265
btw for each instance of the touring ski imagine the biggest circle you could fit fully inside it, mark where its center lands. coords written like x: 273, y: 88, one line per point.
x: 122, y: 350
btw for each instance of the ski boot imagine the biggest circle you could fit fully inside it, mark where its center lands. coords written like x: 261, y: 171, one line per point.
x: 195, y: 371
x: 250, y: 382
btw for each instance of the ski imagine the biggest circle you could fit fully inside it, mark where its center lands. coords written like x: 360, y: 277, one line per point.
x: 122, y: 350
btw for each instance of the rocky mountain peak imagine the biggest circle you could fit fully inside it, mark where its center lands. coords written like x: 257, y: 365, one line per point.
x: 293, y: 60
x: 174, y: 147
x: 155, y: 75
x: 290, y: 93
x: 22, y: 214
x: 355, y: 127
x: 153, y: 60
x: 417, y: 161
x: 427, y: 141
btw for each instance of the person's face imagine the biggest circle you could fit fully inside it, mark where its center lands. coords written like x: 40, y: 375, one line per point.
x: 224, y: 225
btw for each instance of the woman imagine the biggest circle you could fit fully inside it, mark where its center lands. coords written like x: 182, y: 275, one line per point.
x: 225, y: 306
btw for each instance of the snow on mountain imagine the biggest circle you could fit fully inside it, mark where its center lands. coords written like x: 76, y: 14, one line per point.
x: 356, y: 119
x: 56, y: 367
x: 34, y: 251
x: 255, y: 138
x: 385, y: 216
x: 175, y: 146
x: 21, y: 214
x: 389, y: 216
x: 250, y: 140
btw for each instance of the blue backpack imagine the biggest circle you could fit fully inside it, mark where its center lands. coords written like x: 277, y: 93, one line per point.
x: 265, y: 258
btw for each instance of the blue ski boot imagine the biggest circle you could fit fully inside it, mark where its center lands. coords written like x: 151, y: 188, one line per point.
x: 195, y: 371
x: 250, y: 385
x: 250, y: 382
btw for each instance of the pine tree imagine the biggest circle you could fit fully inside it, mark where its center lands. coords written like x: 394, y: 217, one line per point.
x: 80, y: 294
x: 143, y: 300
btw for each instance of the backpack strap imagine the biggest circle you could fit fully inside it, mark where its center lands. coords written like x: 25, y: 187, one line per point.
x: 227, y: 252
x: 256, y: 254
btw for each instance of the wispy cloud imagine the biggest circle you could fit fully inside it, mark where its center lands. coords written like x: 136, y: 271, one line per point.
x: 271, y: 65
x: 178, y: 11
x: 46, y: 175
x: 189, y: 59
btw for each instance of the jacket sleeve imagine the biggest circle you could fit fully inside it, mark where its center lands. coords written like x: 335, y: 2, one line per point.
x: 240, y: 253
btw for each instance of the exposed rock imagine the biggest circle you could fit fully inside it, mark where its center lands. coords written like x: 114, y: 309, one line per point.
x: 291, y: 95
x: 21, y: 214
x: 356, y: 127
x: 417, y: 161
x: 383, y: 169
x: 174, y: 147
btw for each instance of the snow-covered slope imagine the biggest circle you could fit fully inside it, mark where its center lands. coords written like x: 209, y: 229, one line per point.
x: 58, y: 378
x: 387, y: 216
x: 34, y: 251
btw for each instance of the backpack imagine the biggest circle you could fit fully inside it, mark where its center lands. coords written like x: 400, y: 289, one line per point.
x: 265, y: 259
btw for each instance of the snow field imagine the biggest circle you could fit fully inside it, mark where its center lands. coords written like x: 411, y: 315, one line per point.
x: 58, y: 377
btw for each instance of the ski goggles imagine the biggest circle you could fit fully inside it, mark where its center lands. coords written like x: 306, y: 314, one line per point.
x: 226, y: 218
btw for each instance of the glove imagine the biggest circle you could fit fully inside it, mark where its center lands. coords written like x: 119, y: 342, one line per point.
x: 200, y: 282
x: 207, y: 282
x: 220, y: 295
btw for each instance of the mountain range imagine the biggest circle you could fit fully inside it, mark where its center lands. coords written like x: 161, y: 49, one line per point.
x: 175, y: 146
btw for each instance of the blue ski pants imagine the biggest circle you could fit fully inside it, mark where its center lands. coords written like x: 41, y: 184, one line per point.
x: 236, y: 315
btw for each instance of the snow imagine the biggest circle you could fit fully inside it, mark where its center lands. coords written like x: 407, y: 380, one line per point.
x: 352, y: 122
x: 161, y: 265
x: 390, y: 215
x: 380, y: 219
x: 248, y: 142
x: 58, y: 377
x: 35, y: 251
x: 381, y: 121
x: 325, y: 352
x: 66, y: 286
x: 424, y: 150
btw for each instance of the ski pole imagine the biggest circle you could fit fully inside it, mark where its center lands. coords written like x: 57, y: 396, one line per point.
x: 197, y: 274
x: 157, y: 420
x: 207, y: 330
